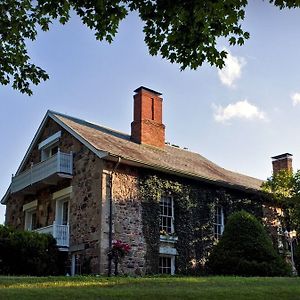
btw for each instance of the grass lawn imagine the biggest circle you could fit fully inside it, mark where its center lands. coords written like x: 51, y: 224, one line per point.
x: 153, y: 288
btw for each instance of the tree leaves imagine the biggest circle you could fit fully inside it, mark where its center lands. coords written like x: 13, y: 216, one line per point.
x: 285, y: 190
x: 185, y: 32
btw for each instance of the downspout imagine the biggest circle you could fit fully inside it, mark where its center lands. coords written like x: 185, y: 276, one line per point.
x: 110, y: 212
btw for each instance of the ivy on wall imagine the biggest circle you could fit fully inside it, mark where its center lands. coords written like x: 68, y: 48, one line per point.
x: 194, y: 210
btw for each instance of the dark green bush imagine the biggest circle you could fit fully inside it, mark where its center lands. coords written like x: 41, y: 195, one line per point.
x: 28, y: 253
x: 297, y: 258
x: 245, y: 249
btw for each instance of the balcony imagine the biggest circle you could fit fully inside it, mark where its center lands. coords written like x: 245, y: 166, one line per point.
x: 59, y: 232
x: 59, y: 164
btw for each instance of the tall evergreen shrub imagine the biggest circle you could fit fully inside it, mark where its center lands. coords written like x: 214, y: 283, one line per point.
x: 246, y: 249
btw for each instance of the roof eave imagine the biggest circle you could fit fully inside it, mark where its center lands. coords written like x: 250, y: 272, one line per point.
x: 99, y: 153
x: 193, y: 176
x: 4, y: 199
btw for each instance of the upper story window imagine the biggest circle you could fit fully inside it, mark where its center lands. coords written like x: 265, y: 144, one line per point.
x: 219, y: 221
x: 166, y: 214
x: 49, y: 146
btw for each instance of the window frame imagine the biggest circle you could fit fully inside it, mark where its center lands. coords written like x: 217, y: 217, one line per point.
x: 29, y: 224
x: 29, y: 209
x: 218, y: 225
x: 163, y: 228
x: 61, y: 197
x: 172, y: 264
x: 46, y: 146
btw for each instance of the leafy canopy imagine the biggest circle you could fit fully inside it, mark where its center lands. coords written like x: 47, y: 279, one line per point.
x: 284, y: 187
x: 181, y: 31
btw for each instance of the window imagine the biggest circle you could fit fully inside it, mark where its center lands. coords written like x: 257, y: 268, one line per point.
x: 219, y: 222
x: 30, y: 219
x: 65, y: 213
x: 167, y: 265
x: 166, y: 215
x: 62, y: 207
x: 30, y: 211
x: 49, y: 146
x: 62, y: 211
x: 164, y: 265
x: 49, y: 151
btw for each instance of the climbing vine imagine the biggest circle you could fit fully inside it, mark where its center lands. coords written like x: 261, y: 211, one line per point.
x: 194, y: 211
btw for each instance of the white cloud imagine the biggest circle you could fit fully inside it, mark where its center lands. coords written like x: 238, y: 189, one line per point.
x: 232, y: 70
x: 296, y: 98
x: 239, y: 110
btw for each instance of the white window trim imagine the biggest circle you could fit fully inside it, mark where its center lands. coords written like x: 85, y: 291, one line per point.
x: 60, y: 197
x: 50, y: 140
x: 222, y: 225
x: 62, y: 193
x: 168, y: 251
x: 31, y: 205
x: 172, y: 262
x: 172, y: 218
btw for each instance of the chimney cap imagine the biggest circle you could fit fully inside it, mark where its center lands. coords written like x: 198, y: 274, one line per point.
x: 147, y: 89
x: 281, y: 156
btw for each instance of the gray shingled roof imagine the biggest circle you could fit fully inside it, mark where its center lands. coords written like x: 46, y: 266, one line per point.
x: 170, y: 159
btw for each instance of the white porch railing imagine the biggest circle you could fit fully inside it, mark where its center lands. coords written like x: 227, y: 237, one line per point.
x: 58, y: 163
x: 59, y: 232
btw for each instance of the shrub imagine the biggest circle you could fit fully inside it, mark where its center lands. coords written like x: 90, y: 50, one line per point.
x: 297, y: 258
x: 117, y: 253
x: 245, y: 249
x: 28, y: 253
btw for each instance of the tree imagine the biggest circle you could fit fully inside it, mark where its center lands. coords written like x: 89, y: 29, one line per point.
x: 284, y: 188
x: 181, y: 31
x: 246, y: 249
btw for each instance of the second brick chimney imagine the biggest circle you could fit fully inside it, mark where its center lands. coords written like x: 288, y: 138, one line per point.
x: 282, y: 162
x: 147, y: 127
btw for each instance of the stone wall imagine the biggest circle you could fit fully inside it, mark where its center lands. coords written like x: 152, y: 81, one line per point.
x: 127, y: 217
x: 85, y: 210
x: 89, y: 207
x: 85, y: 201
x: 45, y: 206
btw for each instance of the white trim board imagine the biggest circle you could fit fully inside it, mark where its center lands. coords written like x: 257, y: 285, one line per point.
x: 62, y: 193
x: 50, y: 140
x: 30, y: 205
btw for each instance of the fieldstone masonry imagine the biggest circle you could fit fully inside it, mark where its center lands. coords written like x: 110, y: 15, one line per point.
x: 89, y: 206
x: 85, y: 201
x: 127, y: 216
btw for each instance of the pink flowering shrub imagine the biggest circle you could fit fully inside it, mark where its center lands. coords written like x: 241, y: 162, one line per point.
x: 118, y: 251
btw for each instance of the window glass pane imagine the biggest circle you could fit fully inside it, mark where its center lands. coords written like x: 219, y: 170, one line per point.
x: 65, y: 213
x: 166, y: 214
x: 165, y: 265
x: 33, y: 221
x: 53, y: 150
x: 219, y: 222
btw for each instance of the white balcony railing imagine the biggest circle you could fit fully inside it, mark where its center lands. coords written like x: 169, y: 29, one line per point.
x: 58, y: 163
x: 59, y: 232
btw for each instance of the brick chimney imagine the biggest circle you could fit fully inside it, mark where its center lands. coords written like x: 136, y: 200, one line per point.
x: 147, y: 127
x: 282, y: 162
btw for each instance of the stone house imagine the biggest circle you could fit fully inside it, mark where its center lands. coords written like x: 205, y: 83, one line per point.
x: 87, y: 185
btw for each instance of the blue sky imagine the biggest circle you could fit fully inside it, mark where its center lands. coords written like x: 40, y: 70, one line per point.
x: 238, y: 118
